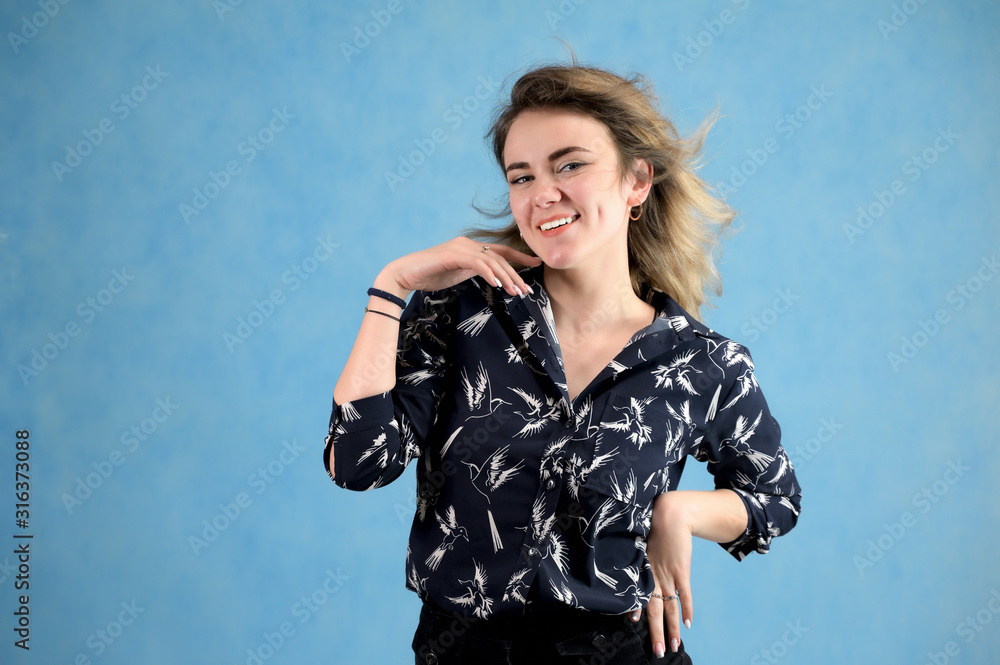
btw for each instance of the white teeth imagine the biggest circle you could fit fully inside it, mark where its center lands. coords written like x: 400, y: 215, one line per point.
x: 556, y: 223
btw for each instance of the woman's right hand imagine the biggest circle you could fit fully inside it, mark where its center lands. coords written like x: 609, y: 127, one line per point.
x: 452, y: 262
x: 366, y: 372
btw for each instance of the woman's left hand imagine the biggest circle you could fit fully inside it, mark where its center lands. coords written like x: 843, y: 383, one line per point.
x: 668, y: 548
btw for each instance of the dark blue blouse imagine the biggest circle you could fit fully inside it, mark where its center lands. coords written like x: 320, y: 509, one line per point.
x: 517, y: 486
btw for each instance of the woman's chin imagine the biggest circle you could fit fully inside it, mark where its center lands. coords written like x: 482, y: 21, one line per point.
x: 557, y: 260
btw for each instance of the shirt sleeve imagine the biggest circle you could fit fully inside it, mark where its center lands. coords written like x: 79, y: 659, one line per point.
x: 375, y: 438
x: 742, y: 446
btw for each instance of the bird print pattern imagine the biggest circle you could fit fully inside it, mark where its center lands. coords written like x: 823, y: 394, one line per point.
x: 522, y: 491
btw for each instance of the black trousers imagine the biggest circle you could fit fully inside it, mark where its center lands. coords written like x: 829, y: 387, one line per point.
x: 540, y: 637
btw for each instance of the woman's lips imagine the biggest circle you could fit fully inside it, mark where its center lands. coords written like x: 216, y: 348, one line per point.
x: 558, y: 222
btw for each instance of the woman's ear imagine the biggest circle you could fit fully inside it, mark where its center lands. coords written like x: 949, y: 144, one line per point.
x: 642, y: 181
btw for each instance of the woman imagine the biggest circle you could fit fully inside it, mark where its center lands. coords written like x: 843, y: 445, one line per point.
x: 552, y: 408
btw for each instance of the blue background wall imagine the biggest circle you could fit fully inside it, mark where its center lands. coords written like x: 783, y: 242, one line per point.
x: 829, y: 107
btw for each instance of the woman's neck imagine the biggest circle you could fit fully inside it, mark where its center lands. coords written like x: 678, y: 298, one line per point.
x: 587, y: 300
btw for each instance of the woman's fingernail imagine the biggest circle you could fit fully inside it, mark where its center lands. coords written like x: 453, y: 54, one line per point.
x: 498, y: 282
x: 687, y: 623
x: 674, y: 644
x: 659, y: 650
x: 636, y: 615
x: 530, y: 290
x: 518, y: 291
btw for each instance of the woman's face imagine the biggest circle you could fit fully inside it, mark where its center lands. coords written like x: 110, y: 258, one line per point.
x: 566, y: 192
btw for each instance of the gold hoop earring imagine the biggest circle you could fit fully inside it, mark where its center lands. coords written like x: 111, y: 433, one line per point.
x: 636, y: 218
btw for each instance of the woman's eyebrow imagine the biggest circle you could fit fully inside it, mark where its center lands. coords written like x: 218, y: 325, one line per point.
x: 554, y: 156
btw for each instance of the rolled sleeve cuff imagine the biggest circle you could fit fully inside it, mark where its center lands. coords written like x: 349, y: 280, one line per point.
x: 364, y: 413
x: 364, y: 435
x: 761, y: 526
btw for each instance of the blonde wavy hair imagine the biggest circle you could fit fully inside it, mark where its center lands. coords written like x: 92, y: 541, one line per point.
x: 672, y: 245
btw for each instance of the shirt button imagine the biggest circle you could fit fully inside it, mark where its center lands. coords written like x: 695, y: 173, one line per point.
x: 431, y: 659
x: 600, y: 641
x: 533, y: 552
x: 551, y: 485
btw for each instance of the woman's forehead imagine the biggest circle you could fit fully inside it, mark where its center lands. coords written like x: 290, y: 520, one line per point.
x: 537, y: 130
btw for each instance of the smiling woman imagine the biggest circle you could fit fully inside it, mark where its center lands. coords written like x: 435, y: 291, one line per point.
x: 565, y: 191
x: 672, y: 239
x: 553, y: 406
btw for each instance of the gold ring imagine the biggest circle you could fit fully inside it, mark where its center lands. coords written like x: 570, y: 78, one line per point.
x: 486, y: 248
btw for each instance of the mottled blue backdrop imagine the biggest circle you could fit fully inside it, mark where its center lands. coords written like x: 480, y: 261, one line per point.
x: 197, y: 194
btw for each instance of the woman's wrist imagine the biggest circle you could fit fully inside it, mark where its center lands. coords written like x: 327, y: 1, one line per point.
x: 675, y: 508
x: 716, y: 515
x: 386, y: 281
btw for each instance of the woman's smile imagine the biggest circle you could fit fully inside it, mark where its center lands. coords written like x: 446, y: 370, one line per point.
x: 557, y: 223
x: 566, y: 191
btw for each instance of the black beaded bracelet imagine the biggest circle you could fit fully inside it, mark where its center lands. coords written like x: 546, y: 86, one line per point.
x: 384, y: 295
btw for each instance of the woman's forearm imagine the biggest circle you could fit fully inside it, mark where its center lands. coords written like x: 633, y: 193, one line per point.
x: 371, y: 366
x: 716, y: 515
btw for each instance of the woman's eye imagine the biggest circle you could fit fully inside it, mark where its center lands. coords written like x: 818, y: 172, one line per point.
x: 519, y: 180
x: 572, y: 166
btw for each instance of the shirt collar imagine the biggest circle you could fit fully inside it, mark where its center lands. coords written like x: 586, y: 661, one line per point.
x: 671, y: 327
x: 669, y: 314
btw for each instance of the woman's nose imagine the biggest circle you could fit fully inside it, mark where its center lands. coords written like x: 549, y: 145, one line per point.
x: 546, y: 193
